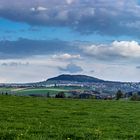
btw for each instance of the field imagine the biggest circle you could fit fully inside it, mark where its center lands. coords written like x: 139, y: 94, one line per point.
x: 28, y: 118
x: 39, y: 91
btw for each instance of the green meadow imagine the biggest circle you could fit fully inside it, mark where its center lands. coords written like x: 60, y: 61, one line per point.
x: 52, y: 91
x: 28, y: 91
x: 28, y: 118
x: 40, y: 91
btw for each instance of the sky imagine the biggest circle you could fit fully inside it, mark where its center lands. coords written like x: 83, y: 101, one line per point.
x: 40, y: 39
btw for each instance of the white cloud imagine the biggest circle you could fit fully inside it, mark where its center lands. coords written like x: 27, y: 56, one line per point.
x: 14, y: 64
x: 126, y: 48
x: 39, y: 8
x: 117, y: 49
x: 42, y: 67
x: 31, y: 69
x: 66, y: 56
x: 70, y: 1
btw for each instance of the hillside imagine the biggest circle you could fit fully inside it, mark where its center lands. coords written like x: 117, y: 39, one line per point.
x: 75, y: 78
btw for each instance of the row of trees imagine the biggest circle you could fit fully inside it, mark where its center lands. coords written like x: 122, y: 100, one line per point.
x: 58, y: 95
x: 134, y: 97
x: 119, y: 95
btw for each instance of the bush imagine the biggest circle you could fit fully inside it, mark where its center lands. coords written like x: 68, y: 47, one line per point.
x: 135, y: 97
x: 60, y: 95
x: 48, y: 95
x: 119, y: 94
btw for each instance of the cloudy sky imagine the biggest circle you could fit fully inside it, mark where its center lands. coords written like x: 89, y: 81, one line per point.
x: 40, y: 39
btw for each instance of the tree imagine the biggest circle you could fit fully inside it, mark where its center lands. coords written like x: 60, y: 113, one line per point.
x: 135, y: 97
x: 48, y: 95
x: 60, y: 95
x: 119, y: 94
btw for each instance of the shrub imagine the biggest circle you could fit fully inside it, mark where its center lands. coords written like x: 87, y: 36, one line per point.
x: 60, y: 95
x: 119, y: 94
x: 135, y: 97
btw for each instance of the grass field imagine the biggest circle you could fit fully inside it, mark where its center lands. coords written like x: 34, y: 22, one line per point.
x: 52, y: 91
x: 28, y: 118
x: 28, y: 91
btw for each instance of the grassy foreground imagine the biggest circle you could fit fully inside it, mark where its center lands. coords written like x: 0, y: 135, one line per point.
x: 27, y: 118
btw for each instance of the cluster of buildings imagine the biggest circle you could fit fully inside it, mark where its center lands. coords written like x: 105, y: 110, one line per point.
x: 97, y: 90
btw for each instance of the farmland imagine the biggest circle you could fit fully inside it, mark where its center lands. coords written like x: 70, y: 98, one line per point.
x: 39, y: 91
x: 67, y: 119
x: 52, y: 91
x: 29, y: 91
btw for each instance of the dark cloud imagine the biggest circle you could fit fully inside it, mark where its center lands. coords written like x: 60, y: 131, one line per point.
x: 14, y: 64
x: 109, y: 17
x: 137, y: 67
x: 26, y: 47
x: 92, y: 71
x: 63, y: 50
x: 72, y: 68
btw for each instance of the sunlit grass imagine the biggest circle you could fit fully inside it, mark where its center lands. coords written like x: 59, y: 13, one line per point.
x: 66, y: 119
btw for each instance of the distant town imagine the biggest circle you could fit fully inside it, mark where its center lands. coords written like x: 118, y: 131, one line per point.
x: 75, y: 86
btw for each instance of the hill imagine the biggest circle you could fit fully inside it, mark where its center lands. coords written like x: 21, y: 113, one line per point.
x: 75, y: 78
